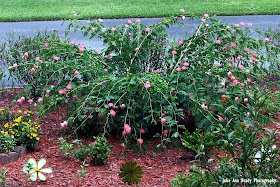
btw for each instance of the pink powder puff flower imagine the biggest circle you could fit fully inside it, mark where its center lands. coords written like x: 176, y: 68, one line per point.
x: 247, y: 49
x: 232, y: 44
x: 241, y: 66
x: 147, y: 29
x: 236, y: 99
x: 113, y: 29
x: 100, y: 84
x: 206, y: 15
x: 71, y: 43
x: 30, y: 101
x: 182, y: 10
x: 250, y: 24
x: 267, y: 39
x: 62, y: 92
x: 40, y: 99
x: 174, y: 52
x: 56, y: 58
x: 218, y: 64
x: 138, y: 20
x: 186, y: 64
x: 46, y: 44
x: 129, y: 22
x: 112, y: 113
x: 242, y: 23
x: 178, y: 69
x: 69, y: 86
x: 183, y: 67
x: 109, y: 56
x: 110, y: 104
x: 203, y: 20
x: 246, y: 100
x: 218, y: 41
x: 235, y: 82
x: 180, y: 42
x: 147, y: 85
x: 106, y: 69
x: 37, y: 58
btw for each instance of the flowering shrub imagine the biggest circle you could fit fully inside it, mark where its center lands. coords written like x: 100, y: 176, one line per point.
x: 136, y: 85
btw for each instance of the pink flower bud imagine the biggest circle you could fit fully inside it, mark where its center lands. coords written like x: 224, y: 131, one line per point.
x: 184, y: 68
x: 218, y: 41
x: 246, y: 100
x: 138, y: 20
x: 140, y: 140
x: 203, y: 20
x: 129, y: 22
x: 180, y: 42
x: 110, y: 104
x: 71, y: 43
x: 142, y: 131
x: 32, y: 70
x: 236, y: 99
x: 123, y: 106
x: 232, y: 44
x: 229, y: 74
x: 163, y: 121
x: 100, y: 84
x: 148, y: 29
x: 22, y: 99
x: 76, y: 73
x: 19, y: 101
x: 123, y: 133
x: 174, y: 52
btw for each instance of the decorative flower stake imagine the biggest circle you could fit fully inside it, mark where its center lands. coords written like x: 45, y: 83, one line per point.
x: 35, y: 170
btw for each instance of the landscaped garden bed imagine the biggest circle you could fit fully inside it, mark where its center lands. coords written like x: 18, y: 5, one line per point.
x: 145, y: 108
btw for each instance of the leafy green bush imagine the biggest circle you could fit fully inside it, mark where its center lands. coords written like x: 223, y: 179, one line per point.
x: 99, y: 151
x: 7, y: 142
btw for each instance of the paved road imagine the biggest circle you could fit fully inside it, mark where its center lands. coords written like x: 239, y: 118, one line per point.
x: 31, y: 28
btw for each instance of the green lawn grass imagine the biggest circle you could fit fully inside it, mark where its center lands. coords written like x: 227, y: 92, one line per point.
x: 23, y: 10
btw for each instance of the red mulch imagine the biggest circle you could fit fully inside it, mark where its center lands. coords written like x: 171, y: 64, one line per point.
x: 158, y: 169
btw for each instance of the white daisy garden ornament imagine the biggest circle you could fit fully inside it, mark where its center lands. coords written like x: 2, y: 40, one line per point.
x: 35, y: 170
